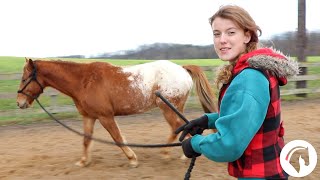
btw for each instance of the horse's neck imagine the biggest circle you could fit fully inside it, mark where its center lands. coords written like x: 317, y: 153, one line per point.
x: 62, y: 76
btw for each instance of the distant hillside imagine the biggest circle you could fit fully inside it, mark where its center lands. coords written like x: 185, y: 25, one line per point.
x: 165, y: 51
x: 285, y: 42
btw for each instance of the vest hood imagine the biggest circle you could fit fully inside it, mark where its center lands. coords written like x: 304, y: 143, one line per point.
x: 270, y: 60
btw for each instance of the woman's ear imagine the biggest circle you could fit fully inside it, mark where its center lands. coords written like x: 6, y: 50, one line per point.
x: 247, y: 38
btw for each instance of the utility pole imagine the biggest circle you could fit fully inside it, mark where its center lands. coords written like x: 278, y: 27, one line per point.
x: 301, y: 43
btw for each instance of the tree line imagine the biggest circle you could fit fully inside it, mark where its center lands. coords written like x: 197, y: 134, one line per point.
x: 285, y: 42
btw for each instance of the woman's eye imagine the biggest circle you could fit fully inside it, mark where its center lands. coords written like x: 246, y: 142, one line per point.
x: 231, y: 33
x: 216, y: 34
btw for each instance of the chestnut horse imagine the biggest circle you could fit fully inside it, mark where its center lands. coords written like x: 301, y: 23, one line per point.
x: 101, y: 91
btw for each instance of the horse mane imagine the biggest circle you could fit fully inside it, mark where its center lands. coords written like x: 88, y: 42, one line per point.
x: 71, y: 64
x: 59, y: 61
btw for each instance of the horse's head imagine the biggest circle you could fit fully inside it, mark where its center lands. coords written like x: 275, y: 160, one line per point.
x: 30, y: 86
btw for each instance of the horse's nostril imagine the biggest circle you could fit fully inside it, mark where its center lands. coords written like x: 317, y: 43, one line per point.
x: 20, y: 105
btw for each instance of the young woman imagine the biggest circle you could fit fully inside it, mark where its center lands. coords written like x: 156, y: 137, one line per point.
x: 249, y: 129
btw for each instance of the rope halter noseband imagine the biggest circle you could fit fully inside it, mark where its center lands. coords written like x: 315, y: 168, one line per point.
x: 31, y: 77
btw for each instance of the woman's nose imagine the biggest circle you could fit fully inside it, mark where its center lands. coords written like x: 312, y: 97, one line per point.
x: 223, y: 38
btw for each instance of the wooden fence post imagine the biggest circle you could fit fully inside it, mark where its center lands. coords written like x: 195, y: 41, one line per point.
x: 301, y: 44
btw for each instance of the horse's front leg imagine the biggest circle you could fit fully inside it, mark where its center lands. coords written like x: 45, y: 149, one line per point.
x: 88, y: 125
x: 111, y: 126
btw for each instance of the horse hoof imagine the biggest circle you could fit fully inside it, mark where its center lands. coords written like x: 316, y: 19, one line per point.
x: 134, y: 164
x: 166, y: 157
x: 165, y: 154
x: 183, y: 157
x: 82, y: 163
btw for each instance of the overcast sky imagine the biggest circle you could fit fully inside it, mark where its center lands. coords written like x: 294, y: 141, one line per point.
x: 44, y: 28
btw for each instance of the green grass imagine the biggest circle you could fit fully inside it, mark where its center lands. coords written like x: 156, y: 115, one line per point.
x: 9, y: 85
x: 15, y: 64
x: 313, y: 59
x: 36, y: 117
x: 11, y: 64
x: 7, y: 104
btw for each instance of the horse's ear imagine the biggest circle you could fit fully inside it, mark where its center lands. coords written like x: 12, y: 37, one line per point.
x: 30, y: 62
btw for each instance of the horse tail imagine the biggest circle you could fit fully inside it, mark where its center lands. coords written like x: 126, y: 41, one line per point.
x: 203, y: 88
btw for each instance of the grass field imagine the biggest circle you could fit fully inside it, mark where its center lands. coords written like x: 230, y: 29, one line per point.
x: 15, y: 64
x: 10, y: 65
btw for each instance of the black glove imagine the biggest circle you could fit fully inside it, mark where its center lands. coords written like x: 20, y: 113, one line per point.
x: 196, y: 126
x: 187, y: 149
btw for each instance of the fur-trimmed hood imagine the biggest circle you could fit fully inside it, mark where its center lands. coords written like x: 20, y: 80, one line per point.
x: 269, y: 60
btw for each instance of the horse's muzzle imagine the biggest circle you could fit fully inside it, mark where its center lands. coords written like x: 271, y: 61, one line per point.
x: 23, y: 105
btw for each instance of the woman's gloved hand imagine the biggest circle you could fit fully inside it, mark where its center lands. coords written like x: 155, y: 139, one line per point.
x: 196, y: 126
x: 188, y: 150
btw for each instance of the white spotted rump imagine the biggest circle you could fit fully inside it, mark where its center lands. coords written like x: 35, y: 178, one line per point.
x: 171, y: 78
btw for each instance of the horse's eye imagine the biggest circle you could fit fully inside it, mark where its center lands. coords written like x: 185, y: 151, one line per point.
x: 23, y: 80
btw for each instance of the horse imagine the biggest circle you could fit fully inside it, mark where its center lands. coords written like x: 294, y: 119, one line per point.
x: 101, y: 91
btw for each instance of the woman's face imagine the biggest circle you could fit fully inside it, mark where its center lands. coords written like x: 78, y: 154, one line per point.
x: 229, y: 39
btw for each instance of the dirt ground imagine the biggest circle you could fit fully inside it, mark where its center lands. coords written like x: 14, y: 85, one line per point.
x: 49, y: 151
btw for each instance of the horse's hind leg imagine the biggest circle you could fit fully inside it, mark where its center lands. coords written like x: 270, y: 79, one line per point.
x: 111, y: 126
x: 88, y: 124
x: 173, y: 120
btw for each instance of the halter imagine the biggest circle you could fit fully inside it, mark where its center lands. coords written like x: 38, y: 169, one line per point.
x: 31, y: 77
